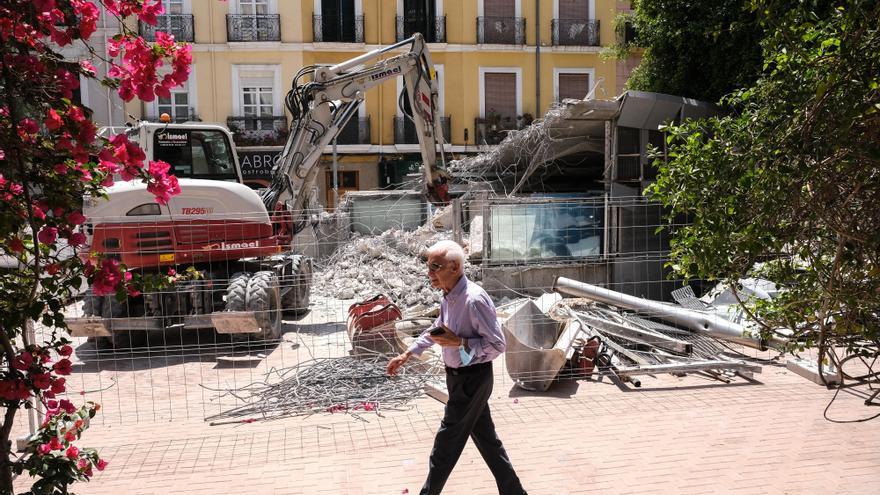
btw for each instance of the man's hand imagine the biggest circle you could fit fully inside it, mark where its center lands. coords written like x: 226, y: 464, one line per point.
x: 447, y: 338
x: 397, y: 362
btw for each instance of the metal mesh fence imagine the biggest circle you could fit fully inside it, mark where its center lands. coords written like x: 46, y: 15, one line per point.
x: 162, y: 356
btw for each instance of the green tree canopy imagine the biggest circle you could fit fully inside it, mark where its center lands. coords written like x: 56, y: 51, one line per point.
x: 788, y: 185
x: 702, y: 50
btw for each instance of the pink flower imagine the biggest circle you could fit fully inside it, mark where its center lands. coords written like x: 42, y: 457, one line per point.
x: 107, y: 279
x: 28, y: 126
x: 82, y: 464
x: 72, y: 452
x: 76, y: 239
x: 48, y: 235
x: 101, y: 464
x: 70, y: 436
x: 44, y: 449
x: 162, y: 185
x: 76, y: 218
x: 16, y: 245
x: 58, y: 386
x: 65, y: 350
x: 66, y: 82
x: 62, y: 367
x: 55, y: 444
x: 52, y: 269
x: 41, y: 380
x: 53, y: 120
x: 68, y: 407
x: 23, y: 361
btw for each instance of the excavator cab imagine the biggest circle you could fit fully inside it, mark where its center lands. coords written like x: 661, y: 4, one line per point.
x: 196, y: 152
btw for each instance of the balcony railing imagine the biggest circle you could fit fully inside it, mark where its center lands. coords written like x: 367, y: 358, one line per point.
x: 178, y: 25
x: 181, y: 116
x: 258, y: 131
x: 501, y: 30
x: 493, y: 130
x: 405, y: 130
x: 434, y: 32
x: 575, y: 32
x: 345, y: 29
x: 259, y: 27
x: 357, y: 131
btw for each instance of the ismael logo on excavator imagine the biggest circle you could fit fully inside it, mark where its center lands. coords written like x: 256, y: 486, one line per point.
x: 247, y: 245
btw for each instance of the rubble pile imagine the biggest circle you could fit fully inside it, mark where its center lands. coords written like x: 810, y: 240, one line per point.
x: 387, y: 263
x: 568, y: 128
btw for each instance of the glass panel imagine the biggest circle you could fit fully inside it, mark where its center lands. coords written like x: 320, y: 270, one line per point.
x: 199, y: 154
x: 180, y: 98
x: 374, y: 215
x: 546, y: 231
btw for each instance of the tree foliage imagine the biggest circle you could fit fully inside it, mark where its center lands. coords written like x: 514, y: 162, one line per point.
x: 702, y: 50
x: 788, y: 186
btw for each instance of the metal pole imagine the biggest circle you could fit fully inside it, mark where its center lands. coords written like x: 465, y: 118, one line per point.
x: 537, y: 58
x: 697, y: 321
x: 335, y: 178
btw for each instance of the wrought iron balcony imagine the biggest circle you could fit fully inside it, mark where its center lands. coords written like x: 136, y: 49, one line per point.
x: 575, y: 32
x: 357, y: 131
x: 258, y: 131
x: 501, y: 30
x: 493, y: 130
x: 258, y: 27
x: 338, y: 29
x: 178, y: 25
x: 405, y: 130
x: 434, y: 32
x: 180, y: 116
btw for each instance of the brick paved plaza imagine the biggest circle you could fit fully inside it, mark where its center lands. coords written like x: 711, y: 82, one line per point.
x: 674, y: 435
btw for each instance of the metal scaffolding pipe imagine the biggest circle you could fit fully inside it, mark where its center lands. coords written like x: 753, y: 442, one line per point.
x: 697, y: 321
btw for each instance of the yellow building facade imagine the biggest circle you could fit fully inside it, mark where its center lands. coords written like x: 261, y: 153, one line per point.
x: 499, y: 62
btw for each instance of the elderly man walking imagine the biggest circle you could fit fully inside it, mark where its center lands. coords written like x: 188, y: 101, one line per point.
x: 469, y: 333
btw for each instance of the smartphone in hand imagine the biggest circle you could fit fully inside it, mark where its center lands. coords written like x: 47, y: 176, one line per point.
x: 437, y: 331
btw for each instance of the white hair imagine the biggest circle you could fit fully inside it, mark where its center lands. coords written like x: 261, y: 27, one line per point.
x: 450, y: 250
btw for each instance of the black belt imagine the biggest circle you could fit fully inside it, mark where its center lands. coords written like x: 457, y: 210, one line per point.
x: 469, y: 370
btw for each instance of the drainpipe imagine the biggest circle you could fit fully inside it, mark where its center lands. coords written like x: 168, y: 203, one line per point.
x: 537, y: 58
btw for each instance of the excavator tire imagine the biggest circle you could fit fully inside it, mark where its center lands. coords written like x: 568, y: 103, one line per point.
x: 236, y: 292
x: 112, y: 308
x: 92, y: 305
x: 264, y: 300
x: 236, y: 296
x: 296, y: 300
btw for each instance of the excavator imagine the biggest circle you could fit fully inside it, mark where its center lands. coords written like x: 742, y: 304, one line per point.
x: 243, y: 249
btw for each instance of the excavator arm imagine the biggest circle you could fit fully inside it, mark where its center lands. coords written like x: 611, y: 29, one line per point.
x: 323, y: 105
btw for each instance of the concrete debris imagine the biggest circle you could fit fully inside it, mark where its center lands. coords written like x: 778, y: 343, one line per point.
x: 570, y: 127
x: 387, y: 263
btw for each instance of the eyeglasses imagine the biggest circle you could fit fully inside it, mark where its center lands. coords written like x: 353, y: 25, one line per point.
x: 433, y: 267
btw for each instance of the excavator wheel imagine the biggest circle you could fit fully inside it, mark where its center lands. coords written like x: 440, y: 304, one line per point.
x: 296, y: 300
x: 264, y: 300
x: 236, y: 295
x: 236, y: 292
x: 92, y: 305
x: 112, y: 308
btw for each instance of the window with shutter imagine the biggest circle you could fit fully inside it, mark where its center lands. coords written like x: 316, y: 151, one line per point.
x: 499, y: 8
x: 574, y: 86
x: 574, y: 9
x: 500, y: 94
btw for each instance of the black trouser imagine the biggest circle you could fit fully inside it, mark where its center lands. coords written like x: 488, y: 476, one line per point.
x: 467, y: 414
